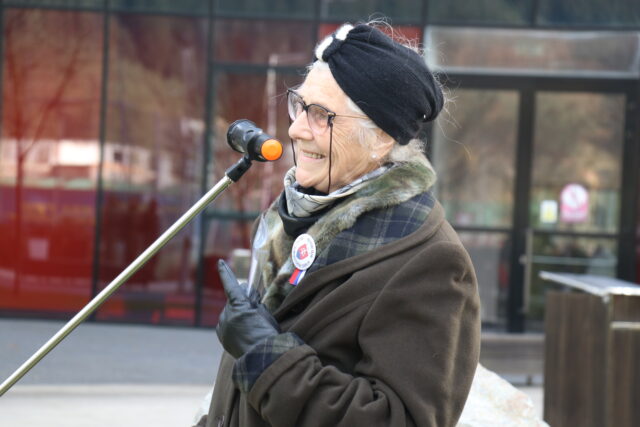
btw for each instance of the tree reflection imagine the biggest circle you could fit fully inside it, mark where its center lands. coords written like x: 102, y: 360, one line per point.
x: 47, y: 57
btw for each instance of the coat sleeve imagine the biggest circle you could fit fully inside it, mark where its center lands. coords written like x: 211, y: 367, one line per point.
x: 420, y: 347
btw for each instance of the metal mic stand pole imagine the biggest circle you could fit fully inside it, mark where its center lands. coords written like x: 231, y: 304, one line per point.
x: 232, y: 175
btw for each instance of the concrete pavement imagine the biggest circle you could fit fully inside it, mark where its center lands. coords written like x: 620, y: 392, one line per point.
x: 107, y: 374
x: 100, y: 405
x: 98, y: 353
x: 113, y: 375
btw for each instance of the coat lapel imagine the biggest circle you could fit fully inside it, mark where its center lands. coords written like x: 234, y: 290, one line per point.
x: 320, y: 278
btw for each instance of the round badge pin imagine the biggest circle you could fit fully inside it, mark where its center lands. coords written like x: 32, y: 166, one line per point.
x: 303, y: 252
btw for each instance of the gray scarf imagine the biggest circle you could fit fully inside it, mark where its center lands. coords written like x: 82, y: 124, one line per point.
x: 300, y: 204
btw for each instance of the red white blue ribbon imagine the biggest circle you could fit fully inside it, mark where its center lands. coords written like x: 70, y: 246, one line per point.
x: 297, y: 276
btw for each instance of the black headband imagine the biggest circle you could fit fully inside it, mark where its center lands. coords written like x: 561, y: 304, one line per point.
x: 388, y: 81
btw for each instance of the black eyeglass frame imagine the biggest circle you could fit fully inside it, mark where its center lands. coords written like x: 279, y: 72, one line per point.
x: 305, y: 107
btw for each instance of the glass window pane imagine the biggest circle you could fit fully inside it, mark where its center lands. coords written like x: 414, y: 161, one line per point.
x: 598, y: 13
x: 401, y: 33
x: 577, y: 161
x: 490, y: 255
x: 188, y: 7
x: 92, y: 4
x: 152, y: 163
x: 474, y: 155
x: 566, y: 254
x: 228, y: 240
x: 263, y: 42
x: 52, y: 63
x: 481, y: 11
x: 403, y: 10
x: 258, y: 8
x: 489, y: 50
x: 261, y: 99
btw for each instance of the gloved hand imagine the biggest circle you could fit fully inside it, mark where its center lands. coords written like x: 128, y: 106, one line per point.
x: 244, y: 321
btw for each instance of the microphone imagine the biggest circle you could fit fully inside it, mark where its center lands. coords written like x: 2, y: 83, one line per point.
x: 247, y: 138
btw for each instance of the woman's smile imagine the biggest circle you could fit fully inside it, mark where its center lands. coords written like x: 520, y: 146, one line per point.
x: 311, y: 155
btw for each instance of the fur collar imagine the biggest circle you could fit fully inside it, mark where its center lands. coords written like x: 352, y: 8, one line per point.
x: 398, y: 185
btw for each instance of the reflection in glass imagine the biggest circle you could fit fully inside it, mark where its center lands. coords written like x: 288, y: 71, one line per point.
x: 490, y: 255
x: 63, y: 4
x: 260, y: 8
x: 405, y: 10
x: 52, y: 64
x: 225, y: 239
x: 263, y: 42
x: 533, y: 51
x: 404, y: 34
x: 262, y: 99
x: 186, y: 7
x: 577, y: 140
x: 151, y: 167
x: 566, y: 254
x: 604, y: 13
x: 486, y: 12
x: 473, y: 154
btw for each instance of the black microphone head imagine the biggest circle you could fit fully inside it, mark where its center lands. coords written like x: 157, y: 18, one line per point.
x: 240, y: 134
x: 245, y: 137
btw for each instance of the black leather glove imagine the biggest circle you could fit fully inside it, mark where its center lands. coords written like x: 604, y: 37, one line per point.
x: 244, y: 321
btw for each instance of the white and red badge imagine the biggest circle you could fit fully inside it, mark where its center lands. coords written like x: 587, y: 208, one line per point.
x: 303, y: 253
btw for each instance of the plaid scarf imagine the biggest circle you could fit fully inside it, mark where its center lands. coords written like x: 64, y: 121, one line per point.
x: 376, y: 228
x: 384, y: 209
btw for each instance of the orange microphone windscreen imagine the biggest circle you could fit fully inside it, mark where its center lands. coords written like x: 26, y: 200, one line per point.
x: 271, y: 149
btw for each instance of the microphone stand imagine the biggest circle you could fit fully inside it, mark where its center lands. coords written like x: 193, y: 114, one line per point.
x: 232, y: 175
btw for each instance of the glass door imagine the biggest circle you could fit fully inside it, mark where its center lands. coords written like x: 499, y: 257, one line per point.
x: 474, y: 155
x: 574, y: 199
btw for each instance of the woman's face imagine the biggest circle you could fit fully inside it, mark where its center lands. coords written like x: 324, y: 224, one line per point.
x: 349, y: 159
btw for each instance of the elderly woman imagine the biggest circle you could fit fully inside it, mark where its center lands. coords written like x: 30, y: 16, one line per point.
x: 362, y: 308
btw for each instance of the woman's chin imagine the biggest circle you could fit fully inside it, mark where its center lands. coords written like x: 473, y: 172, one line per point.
x: 306, y: 180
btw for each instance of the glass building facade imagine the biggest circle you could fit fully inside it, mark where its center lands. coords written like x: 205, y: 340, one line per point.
x: 114, y: 113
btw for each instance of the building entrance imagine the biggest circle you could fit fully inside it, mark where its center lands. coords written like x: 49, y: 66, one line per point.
x: 533, y: 175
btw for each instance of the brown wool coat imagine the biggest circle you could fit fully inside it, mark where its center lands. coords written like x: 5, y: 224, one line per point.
x: 392, y: 339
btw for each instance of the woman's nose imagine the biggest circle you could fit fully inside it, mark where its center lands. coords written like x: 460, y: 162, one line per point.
x: 299, y: 128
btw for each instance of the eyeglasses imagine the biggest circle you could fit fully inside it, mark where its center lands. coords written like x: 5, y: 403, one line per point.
x: 318, y: 117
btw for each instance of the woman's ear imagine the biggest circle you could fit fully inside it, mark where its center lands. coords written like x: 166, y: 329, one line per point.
x: 384, y: 144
